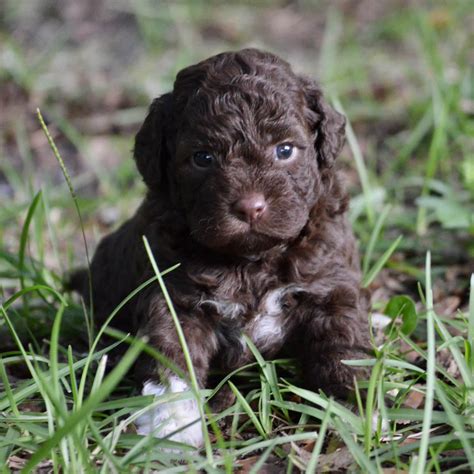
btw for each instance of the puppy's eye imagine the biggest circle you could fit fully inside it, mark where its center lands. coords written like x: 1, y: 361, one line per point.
x: 284, y: 151
x: 203, y: 159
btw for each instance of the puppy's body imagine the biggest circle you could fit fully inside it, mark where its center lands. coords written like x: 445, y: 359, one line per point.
x: 242, y: 192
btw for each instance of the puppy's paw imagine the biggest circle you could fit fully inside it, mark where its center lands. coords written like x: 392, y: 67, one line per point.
x: 222, y: 400
x: 334, y: 377
x: 177, y: 421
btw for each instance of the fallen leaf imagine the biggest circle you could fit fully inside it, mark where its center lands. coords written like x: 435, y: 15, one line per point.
x: 415, y: 399
x: 339, y: 460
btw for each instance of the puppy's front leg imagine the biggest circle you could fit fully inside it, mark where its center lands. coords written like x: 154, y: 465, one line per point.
x: 333, y: 329
x: 176, y: 420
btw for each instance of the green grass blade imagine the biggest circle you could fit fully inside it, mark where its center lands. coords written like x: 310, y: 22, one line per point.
x: 338, y: 409
x: 256, y: 446
x: 256, y: 468
x: 369, y: 278
x: 30, y: 289
x: 248, y: 410
x: 470, y: 330
x: 369, y: 407
x: 373, y: 239
x: 114, y: 465
x: 466, y: 373
x: 72, y: 375
x: 24, y: 237
x: 267, y: 368
x: 58, y: 157
x: 53, y: 353
x: 8, y: 389
x: 456, y: 423
x: 398, y: 364
x: 360, y: 166
x: 430, y: 373
x: 313, y: 460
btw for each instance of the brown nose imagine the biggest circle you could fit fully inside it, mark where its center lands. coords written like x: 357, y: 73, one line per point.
x: 250, y: 208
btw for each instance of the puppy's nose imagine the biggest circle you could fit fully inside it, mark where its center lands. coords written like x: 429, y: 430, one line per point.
x: 250, y: 208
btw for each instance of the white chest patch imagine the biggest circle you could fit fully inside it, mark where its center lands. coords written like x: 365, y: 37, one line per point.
x: 272, y: 301
x: 267, y: 328
x: 171, y: 419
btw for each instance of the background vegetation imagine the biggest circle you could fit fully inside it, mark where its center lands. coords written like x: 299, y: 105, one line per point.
x: 403, y: 74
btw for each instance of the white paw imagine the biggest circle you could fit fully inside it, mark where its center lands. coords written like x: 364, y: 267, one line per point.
x: 164, y: 419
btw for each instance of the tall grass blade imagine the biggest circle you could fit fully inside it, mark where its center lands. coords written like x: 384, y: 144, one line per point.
x: 369, y: 408
x: 58, y: 157
x: 360, y: 166
x: 268, y: 370
x: 379, y: 264
x: 373, y: 239
x: 470, y: 328
x: 456, y: 423
x: 8, y: 389
x: 337, y: 408
x: 24, y: 237
x: 257, y: 467
x: 184, y: 345
x: 430, y: 373
x: 30, y: 289
x: 313, y: 460
x: 436, y: 153
x: 248, y: 410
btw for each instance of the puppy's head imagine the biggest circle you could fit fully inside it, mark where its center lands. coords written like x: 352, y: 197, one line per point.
x: 239, y: 147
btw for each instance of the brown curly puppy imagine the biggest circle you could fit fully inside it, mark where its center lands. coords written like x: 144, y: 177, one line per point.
x: 238, y: 160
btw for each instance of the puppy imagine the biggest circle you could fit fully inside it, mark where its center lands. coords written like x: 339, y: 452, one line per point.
x: 242, y: 191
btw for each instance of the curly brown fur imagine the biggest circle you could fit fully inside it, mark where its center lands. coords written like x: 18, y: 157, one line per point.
x: 288, y: 278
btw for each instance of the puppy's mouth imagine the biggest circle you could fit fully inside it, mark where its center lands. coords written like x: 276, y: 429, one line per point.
x: 234, y: 236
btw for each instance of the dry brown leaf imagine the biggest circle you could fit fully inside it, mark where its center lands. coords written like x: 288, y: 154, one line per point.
x: 273, y: 465
x: 15, y: 462
x: 339, y: 460
x: 245, y: 465
x: 308, y: 445
x: 448, y: 305
x: 415, y: 399
x: 445, y: 358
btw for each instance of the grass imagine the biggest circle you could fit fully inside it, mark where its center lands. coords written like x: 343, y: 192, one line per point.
x: 405, y: 82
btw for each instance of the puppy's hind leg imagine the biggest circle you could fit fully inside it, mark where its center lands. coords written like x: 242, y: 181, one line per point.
x: 333, y: 329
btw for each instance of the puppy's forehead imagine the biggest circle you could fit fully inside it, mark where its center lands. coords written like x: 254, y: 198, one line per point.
x: 245, y: 108
x: 256, y: 91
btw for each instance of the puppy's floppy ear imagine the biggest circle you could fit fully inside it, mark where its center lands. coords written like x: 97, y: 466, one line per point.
x: 151, y: 142
x: 328, y: 125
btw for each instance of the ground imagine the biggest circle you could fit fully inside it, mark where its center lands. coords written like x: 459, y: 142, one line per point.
x: 401, y: 71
